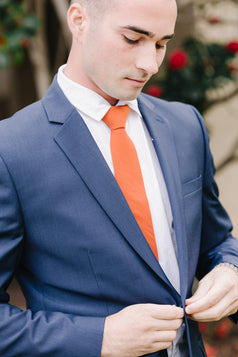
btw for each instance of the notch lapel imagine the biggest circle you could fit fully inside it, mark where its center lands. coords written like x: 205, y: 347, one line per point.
x: 163, y: 141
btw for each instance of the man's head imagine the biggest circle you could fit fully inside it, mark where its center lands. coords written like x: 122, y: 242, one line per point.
x: 118, y: 45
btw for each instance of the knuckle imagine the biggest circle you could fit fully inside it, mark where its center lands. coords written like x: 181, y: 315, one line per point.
x: 173, y: 335
x: 214, y: 299
x: 176, y: 311
x: 172, y: 308
x: 167, y: 344
x: 147, y: 342
x: 234, y: 311
x: 170, y: 336
x: 178, y: 323
x: 147, y: 326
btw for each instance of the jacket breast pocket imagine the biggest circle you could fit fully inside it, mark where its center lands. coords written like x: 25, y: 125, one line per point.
x: 192, y: 186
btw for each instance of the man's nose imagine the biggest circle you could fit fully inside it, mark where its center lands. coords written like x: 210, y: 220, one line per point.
x: 148, y: 61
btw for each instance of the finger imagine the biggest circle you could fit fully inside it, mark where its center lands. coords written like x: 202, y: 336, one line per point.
x: 220, y: 276
x: 167, y: 312
x: 158, y: 346
x: 222, y: 309
x: 203, y: 289
x: 206, y: 300
x: 165, y: 336
x: 163, y: 325
x: 231, y: 309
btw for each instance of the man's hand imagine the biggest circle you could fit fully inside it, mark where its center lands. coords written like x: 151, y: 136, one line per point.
x: 216, y: 296
x: 141, y: 329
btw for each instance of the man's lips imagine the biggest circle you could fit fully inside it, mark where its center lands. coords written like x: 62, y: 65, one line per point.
x: 137, y: 81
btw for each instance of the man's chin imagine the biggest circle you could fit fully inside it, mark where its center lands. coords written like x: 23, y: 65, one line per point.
x: 130, y: 95
x: 124, y: 95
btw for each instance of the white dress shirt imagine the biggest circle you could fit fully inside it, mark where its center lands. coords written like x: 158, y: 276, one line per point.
x: 92, y: 107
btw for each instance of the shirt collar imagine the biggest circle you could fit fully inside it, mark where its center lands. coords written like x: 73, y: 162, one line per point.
x: 82, y: 98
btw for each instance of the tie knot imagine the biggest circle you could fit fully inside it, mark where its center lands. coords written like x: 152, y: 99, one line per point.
x: 116, y: 117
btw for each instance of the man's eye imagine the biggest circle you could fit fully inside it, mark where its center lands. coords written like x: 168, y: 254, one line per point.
x: 158, y: 46
x: 132, y: 42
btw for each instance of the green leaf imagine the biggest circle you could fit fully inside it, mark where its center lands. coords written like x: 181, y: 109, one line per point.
x: 14, y: 40
x: 30, y: 23
x: 18, y: 57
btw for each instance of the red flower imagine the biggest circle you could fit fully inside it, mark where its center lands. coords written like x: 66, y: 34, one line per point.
x: 232, y: 47
x: 203, y: 326
x: 213, y: 20
x: 24, y: 42
x: 178, y: 59
x: 154, y: 90
x: 222, y: 330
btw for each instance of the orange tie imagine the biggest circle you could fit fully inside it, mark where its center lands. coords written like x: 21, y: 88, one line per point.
x: 128, y: 172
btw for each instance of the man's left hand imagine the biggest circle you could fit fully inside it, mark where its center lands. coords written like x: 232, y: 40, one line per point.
x: 216, y: 296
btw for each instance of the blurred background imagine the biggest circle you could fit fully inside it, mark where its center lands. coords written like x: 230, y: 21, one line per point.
x: 201, y: 68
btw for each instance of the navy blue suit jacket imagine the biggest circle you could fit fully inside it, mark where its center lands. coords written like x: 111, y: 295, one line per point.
x: 69, y: 236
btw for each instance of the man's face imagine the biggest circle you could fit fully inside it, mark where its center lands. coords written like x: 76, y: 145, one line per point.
x: 119, y: 53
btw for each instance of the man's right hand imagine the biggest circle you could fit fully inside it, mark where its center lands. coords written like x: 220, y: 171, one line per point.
x: 141, y: 329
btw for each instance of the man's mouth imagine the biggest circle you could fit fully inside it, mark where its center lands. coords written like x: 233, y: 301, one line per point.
x: 140, y: 82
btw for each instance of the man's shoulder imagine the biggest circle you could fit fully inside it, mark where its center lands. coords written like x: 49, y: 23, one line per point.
x: 22, y: 129
x: 174, y: 112
x: 166, y: 106
x: 23, y: 116
x: 31, y: 114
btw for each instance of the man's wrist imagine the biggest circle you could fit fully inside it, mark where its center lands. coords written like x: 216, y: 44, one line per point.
x: 232, y: 266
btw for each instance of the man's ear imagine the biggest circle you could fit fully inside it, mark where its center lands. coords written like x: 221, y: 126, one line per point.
x: 76, y: 18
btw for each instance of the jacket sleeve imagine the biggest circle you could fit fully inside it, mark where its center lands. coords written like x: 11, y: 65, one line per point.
x: 25, y: 333
x: 217, y: 243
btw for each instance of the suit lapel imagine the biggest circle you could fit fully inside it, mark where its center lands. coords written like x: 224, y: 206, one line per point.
x: 162, y: 136
x: 75, y: 140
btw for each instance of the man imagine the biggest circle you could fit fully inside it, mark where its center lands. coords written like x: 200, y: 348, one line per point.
x: 92, y: 284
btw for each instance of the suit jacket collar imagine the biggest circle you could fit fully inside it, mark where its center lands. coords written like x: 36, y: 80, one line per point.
x: 81, y: 150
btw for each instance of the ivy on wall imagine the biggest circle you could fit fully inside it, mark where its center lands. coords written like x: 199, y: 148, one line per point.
x: 194, y: 70
x: 17, y: 28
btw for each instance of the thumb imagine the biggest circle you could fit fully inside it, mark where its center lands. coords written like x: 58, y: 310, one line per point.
x: 202, y: 290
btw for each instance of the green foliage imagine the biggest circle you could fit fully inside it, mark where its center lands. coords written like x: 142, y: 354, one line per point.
x: 17, y: 28
x: 193, y: 70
